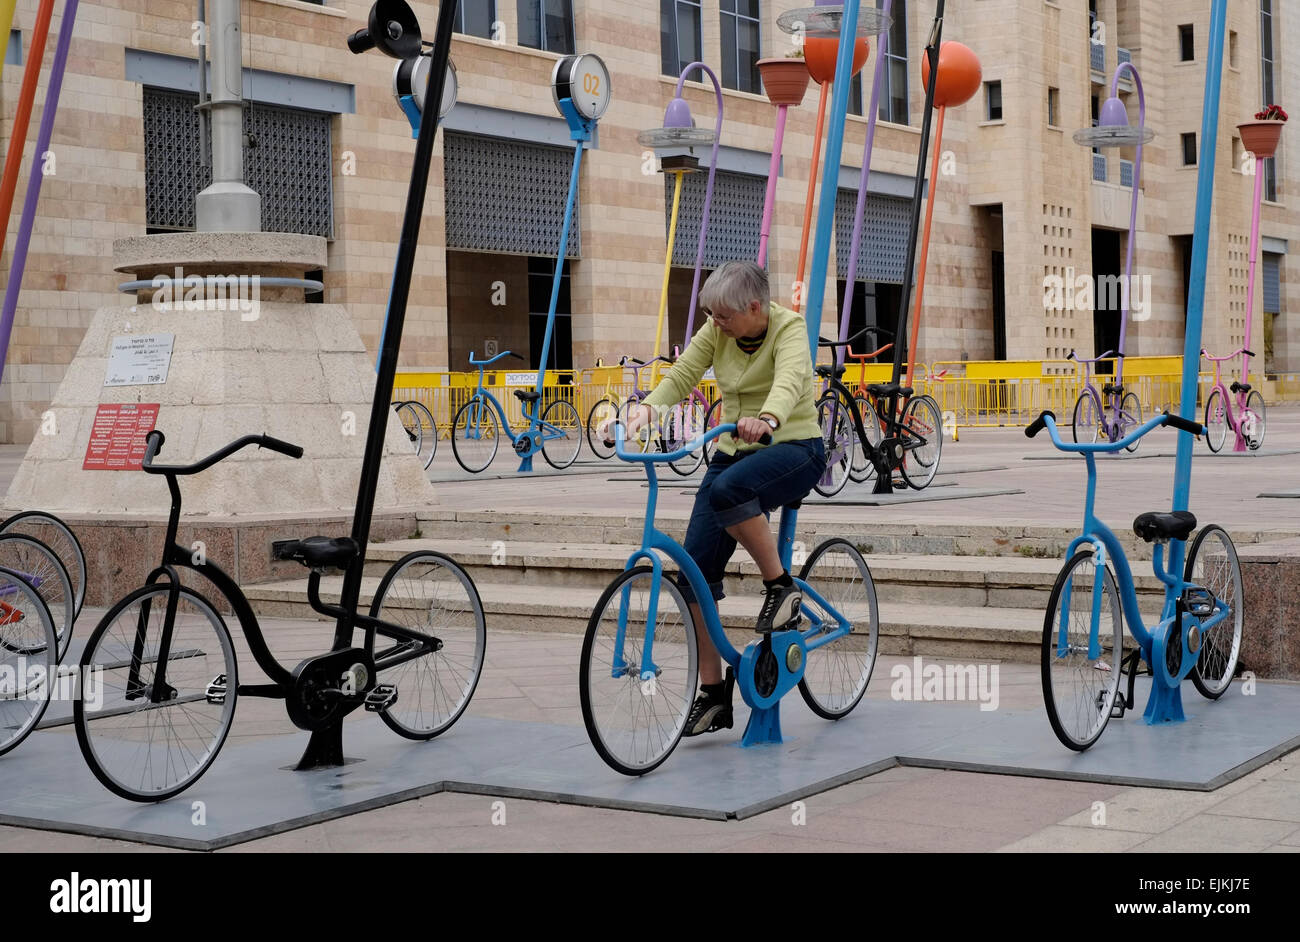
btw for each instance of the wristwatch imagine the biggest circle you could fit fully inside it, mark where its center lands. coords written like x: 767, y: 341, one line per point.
x: 772, y: 423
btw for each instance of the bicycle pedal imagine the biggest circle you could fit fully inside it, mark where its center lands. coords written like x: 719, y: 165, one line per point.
x: 380, y: 698
x: 216, y: 692
x: 1118, y: 706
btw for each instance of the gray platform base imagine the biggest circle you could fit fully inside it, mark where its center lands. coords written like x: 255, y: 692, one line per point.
x: 506, y: 465
x: 250, y: 793
x: 1279, y: 494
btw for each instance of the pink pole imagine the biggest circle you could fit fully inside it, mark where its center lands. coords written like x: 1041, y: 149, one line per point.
x: 1240, y: 443
x: 770, y: 200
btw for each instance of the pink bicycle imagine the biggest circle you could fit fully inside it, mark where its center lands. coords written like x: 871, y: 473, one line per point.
x: 1238, y: 407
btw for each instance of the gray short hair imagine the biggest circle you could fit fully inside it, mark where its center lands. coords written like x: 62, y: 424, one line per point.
x: 734, y: 285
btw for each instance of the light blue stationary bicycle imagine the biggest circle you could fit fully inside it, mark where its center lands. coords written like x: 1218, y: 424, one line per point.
x: 1199, y: 632
x: 639, y: 658
x: 481, y: 423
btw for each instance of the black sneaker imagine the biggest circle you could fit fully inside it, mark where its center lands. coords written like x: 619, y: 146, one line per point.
x: 711, y: 713
x: 780, y: 608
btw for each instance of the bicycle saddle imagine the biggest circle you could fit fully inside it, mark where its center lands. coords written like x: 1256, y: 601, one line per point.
x: 881, y: 390
x: 1156, y: 526
x: 317, y: 552
x: 1239, y: 387
x: 527, y: 395
x: 1112, y: 388
x: 825, y: 370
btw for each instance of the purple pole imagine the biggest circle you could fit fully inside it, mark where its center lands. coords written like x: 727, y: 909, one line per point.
x: 881, y: 48
x: 48, y: 111
x: 772, y: 172
x: 1133, y: 212
x: 708, y: 191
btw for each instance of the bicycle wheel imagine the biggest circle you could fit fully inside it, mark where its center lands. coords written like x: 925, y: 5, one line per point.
x: 840, y: 437
x: 605, y: 410
x: 636, y: 723
x: 429, y: 593
x: 1212, y: 563
x: 561, y: 434
x: 1086, y: 424
x: 1254, y: 420
x: 685, y: 424
x: 475, y: 435
x: 410, y: 420
x: 1130, y: 417
x: 1079, y: 691
x: 429, y: 429
x: 923, y: 442
x: 148, y: 744
x: 28, y: 658
x: 59, y: 537
x: 1216, y: 420
x: 44, y: 572
x: 647, y: 439
x: 837, y: 674
x: 711, y: 421
x: 862, y: 468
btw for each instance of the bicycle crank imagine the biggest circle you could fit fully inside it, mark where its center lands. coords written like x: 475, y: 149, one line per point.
x: 329, y: 686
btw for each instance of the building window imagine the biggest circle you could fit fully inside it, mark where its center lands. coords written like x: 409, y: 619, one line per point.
x: 993, y: 101
x: 1186, y: 43
x: 546, y: 25
x: 476, y: 19
x: 1189, y: 150
x: 855, y: 93
x: 1054, y: 107
x: 1232, y: 48
x: 14, y: 50
x: 541, y: 279
x: 1266, y: 82
x: 288, y: 164
x: 893, y: 95
x: 740, y: 45
x: 679, y: 34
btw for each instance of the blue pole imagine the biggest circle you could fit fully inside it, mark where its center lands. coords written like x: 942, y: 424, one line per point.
x: 816, y: 287
x: 526, y: 462
x: 1200, y: 258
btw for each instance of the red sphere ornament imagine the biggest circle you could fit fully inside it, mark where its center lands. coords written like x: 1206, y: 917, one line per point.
x: 820, y: 54
x: 959, y: 75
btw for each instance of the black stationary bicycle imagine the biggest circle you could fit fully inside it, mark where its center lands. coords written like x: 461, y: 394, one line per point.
x: 170, y: 676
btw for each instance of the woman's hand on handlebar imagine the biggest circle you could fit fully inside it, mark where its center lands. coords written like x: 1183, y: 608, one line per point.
x: 638, y: 417
x: 750, y: 430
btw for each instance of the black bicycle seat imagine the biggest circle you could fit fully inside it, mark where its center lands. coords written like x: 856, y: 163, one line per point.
x: 1175, y: 525
x: 1240, y: 387
x: 527, y: 395
x: 882, y: 390
x: 825, y: 370
x: 317, y: 552
x: 1110, y: 388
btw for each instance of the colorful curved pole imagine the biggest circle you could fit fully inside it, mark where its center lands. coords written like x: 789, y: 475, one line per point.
x: 22, y: 117
x: 668, y: 265
x: 859, y: 211
x: 1240, y: 443
x: 773, y: 170
x: 1127, y: 292
x: 43, y: 135
x: 1200, y: 258
x: 708, y: 195
x: 801, y: 288
x: 915, y: 329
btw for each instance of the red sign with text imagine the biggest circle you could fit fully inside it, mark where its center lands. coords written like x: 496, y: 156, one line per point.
x: 117, y: 438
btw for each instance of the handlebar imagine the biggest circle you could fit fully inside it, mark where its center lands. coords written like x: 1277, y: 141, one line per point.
x: 1048, y: 420
x: 154, y: 442
x: 656, y: 457
x: 489, y: 362
x: 1231, y: 356
x: 878, y: 331
x: 1073, y: 355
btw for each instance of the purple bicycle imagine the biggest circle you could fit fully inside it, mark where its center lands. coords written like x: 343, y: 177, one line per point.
x: 1109, y: 415
x: 686, y: 422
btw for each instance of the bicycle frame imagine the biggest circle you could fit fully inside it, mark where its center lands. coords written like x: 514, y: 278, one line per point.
x: 764, y: 723
x: 1165, y: 703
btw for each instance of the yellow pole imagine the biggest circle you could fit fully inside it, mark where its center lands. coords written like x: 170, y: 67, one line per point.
x: 668, y: 267
x: 6, y: 23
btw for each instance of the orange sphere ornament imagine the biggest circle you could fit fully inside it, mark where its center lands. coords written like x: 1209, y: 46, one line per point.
x: 959, y: 75
x: 820, y: 54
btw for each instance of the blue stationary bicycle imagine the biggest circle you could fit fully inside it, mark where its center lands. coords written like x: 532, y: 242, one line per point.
x: 1199, y: 631
x: 640, y: 661
x: 481, y: 423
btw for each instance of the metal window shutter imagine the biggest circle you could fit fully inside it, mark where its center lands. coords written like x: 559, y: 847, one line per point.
x: 734, y: 218
x: 1272, y: 283
x: 886, y: 223
x: 290, y: 168
x: 507, y: 196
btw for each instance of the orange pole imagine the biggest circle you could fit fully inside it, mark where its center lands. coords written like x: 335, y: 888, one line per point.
x: 812, y: 191
x: 26, y: 95
x: 925, y: 249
